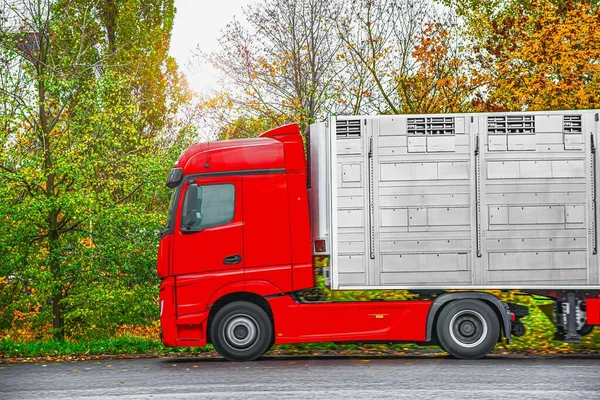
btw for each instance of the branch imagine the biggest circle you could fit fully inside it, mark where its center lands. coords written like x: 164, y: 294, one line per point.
x: 138, y: 187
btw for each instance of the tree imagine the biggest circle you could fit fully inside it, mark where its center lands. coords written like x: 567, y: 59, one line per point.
x: 85, y: 89
x: 300, y: 60
x: 404, y: 57
x: 441, y: 81
x: 280, y: 68
x: 535, y: 55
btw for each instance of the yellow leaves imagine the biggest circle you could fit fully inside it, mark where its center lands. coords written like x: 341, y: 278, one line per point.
x: 220, y: 100
x: 87, y: 242
x: 544, y: 57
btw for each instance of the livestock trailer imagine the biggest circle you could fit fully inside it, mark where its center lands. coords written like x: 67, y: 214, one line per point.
x: 457, y: 201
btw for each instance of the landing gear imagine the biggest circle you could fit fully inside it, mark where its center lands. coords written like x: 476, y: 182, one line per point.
x: 468, y: 329
x: 570, y: 319
x: 241, y: 331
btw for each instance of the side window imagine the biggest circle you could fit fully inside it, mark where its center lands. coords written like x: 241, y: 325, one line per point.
x: 215, y: 205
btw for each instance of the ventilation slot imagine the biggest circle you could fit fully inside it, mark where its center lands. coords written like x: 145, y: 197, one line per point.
x: 416, y: 126
x: 431, y: 126
x: 512, y: 125
x: 496, y: 125
x: 440, y: 126
x: 524, y: 124
x: 573, y: 129
x: 347, y: 128
x: 572, y: 124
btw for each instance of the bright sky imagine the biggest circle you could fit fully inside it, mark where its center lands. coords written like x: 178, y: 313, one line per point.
x: 199, y: 23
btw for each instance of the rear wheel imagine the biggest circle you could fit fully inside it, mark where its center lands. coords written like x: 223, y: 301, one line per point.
x: 241, y: 331
x: 468, y: 329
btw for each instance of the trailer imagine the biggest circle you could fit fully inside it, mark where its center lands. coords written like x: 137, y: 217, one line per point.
x: 463, y: 201
x: 444, y: 205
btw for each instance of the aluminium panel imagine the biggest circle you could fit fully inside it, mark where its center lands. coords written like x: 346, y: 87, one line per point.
x: 410, y: 215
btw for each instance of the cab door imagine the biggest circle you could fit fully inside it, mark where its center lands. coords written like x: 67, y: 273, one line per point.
x: 213, y: 242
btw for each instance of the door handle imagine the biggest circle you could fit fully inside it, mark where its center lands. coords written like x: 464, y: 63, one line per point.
x: 235, y: 259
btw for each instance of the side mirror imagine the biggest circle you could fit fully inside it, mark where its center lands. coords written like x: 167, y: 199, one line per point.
x: 189, y: 206
x: 174, y: 177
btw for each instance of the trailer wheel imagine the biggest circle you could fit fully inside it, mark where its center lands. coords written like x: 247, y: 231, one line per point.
x: 586, y: 330
x: 467, y: 329
x: 241, y: 331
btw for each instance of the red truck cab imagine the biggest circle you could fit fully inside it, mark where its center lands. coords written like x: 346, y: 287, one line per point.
x: 241, y: 237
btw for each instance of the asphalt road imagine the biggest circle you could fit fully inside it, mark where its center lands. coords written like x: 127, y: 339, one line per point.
x: 307, y: 378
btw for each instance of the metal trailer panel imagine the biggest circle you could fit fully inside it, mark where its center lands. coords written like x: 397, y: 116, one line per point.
x: 464, y: 201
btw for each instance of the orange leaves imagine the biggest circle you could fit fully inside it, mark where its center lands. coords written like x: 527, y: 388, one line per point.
x: 140, y: 331
x: 543, y: 57
x: 23, y: 328
x: 432, y: 45
x: 441, y: 81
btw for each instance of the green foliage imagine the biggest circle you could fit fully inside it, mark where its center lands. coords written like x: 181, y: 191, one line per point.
x: 84, y: 150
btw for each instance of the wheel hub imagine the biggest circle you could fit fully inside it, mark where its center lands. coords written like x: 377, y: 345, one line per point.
x: 241, y: 331
x: 468, y: 328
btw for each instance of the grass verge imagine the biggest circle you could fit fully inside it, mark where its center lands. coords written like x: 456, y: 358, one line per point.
x: 129, y: 346
x: 125, y: 345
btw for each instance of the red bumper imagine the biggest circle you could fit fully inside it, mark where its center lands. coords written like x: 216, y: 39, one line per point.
x: 168, y: 328
x: 187, y: 331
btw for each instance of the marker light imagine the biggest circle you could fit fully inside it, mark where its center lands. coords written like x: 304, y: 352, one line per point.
x: 320, y: 246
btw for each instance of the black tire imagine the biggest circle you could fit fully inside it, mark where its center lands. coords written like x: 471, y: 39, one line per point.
x: 467, y: 329
x: 241, y: 331
x: 586, y: 330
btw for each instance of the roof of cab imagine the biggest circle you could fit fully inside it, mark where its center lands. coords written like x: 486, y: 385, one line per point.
x: 266, y: 152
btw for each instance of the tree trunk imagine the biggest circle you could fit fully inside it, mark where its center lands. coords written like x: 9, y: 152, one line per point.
x: 54, y: 251
x: 57, y: 321
x: 52, y: 221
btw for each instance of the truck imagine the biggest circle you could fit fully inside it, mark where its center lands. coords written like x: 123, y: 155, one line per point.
x: 453, y: 208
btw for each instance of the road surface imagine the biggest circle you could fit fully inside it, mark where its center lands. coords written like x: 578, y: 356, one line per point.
x: 402, y: 377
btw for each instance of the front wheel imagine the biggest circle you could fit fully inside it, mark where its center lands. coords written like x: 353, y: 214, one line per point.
x: 241, y: 331
x: 468, y: 329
